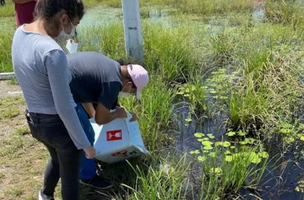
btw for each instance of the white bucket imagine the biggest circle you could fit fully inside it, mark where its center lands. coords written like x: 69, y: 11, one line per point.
x: 118, y: 140
x: 72, y: 46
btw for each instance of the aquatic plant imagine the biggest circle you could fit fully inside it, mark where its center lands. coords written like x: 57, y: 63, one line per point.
x: 229, y: 166
x: 195, y: 94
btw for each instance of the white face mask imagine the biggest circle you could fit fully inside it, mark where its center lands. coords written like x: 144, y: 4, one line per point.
x: 124, y: 94
x: 63, y: 36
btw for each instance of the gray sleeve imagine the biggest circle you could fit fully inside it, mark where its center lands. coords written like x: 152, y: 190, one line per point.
x: 57, y: 69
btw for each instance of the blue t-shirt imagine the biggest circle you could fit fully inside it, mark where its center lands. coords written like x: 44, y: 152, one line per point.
x: 95, y: 78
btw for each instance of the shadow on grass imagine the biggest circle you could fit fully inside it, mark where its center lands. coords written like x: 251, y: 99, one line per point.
x: 121, y: 174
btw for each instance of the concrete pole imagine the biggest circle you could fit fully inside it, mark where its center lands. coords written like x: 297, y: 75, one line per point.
x: 132, y: 29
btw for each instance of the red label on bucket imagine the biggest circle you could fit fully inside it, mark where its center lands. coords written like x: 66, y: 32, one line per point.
x: 121, y: 153
x: 114, y: 135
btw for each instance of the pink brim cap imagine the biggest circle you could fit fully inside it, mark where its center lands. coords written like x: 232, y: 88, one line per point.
x: 139, y: 77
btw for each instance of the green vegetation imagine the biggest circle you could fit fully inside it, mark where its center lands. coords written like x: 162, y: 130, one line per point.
x: 218, y: 60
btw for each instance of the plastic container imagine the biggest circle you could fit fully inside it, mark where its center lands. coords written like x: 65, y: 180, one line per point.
x: 118, y: 140
x: 72, y: 46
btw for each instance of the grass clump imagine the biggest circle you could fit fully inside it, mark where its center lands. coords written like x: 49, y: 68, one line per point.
x: 169, y: 51
x: 248, y: 107
x: 163, y: 181
x: 285, y: 12
x: 270, y: 90
x: 154, y: 112
x: 226, y: 166
x: 97, y: 39
x: 194, y: 92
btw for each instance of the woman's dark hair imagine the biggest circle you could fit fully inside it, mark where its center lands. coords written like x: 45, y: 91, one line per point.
x: 47, y: 9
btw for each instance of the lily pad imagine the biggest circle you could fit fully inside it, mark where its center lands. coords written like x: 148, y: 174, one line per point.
x: 226, y: 144
x: 216, y: 170
x: 228, y: 158
x: 249, y: 140
x: 199, y: 135
x: 218, y: 144
x: 202, y: 158
x: 285, y: 131
x: 263, y: 154
x: 188, y: 120
x: 194, y: 152
x: 231, y: 133
x: 212, y: 154
x: 255, y: 158
x: 241, y: 133
x: 227, y: 152
x: 207, y: 143
x: 212, y: 91
x: 208, y: 147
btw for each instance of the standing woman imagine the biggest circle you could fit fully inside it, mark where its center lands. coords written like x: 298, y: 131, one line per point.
x: 41, y: 69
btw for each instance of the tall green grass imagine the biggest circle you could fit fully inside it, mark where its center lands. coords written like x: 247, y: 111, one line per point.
x: 270, y: 90
x: 108, y: 39
x: 166, y: 180
x: 8, y: 10
x: 248, y: 106
x: 154, y: 111
x: 5, y: 52
x: 285, y: 12
x: 169, y: 51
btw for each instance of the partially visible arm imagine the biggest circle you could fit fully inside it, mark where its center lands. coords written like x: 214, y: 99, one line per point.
x: 57, y: 68
x: 103, y: 115
x: 22, y: 1
x: 107, y: 99
x: 89, y: 108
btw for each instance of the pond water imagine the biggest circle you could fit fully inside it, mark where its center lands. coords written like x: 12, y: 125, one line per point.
x: 284, y: 171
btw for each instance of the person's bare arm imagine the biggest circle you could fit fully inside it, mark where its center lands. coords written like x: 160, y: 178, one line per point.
x: 22, y: 1
x: 103, y: 115
x: 89, y: 108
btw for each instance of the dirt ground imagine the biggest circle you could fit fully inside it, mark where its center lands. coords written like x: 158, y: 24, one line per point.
x: 8, y: 89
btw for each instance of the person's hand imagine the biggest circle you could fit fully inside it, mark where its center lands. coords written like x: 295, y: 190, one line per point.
x: 121, y: 112
x: 90, y: 152
x: 134, y: 117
